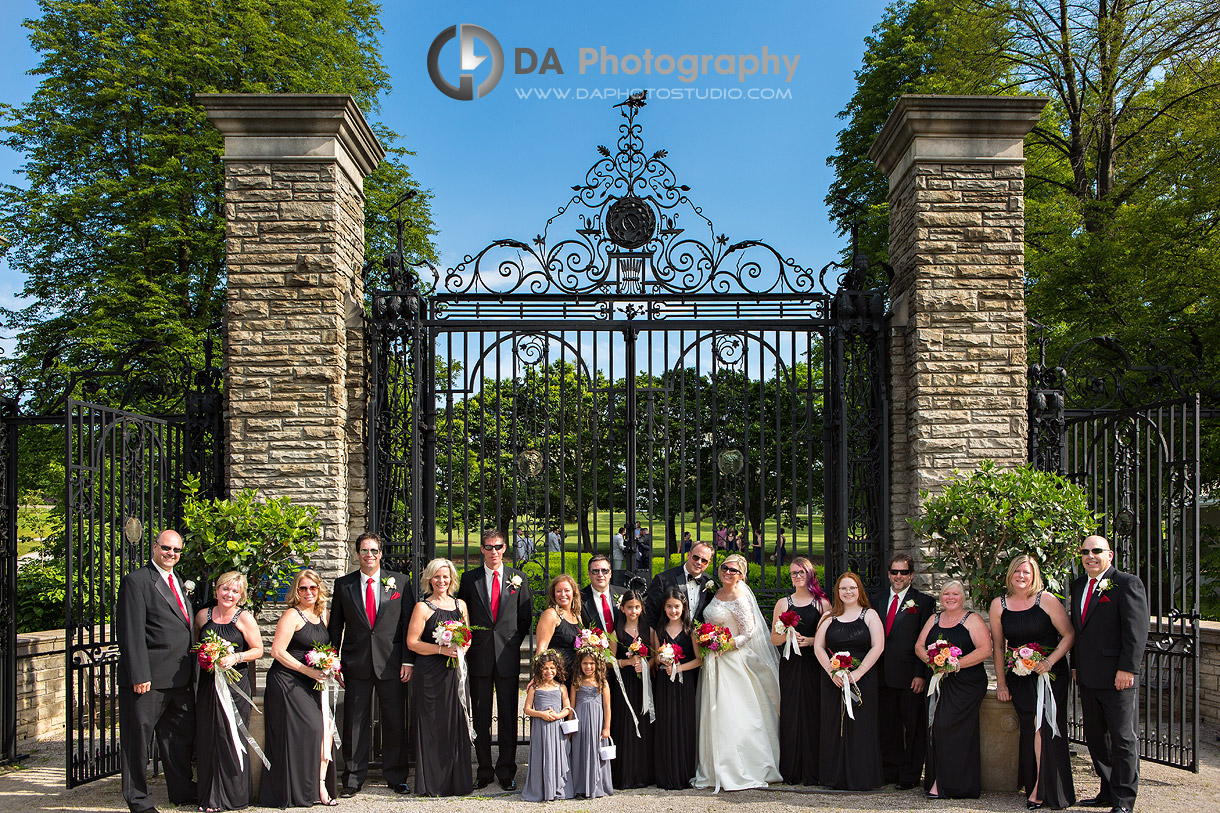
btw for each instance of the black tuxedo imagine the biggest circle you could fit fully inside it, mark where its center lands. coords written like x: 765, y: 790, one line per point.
x: 494, y: 660
x: 674, y: 577
x: 372, y: 660
x: 902, y: 714
x: 590, y: 609
x: 1111, y: 638
x: 155, y: 638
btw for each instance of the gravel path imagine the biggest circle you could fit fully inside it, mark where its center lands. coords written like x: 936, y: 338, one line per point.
x: 39, y: 785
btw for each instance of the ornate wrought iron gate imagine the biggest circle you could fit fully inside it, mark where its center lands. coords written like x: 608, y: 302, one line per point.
x: 629, y: 367
x: 1139, y: 465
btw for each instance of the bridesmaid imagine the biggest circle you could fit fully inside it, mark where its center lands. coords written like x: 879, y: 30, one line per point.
x: 1026, y: 615
x: 559, y: 623
x: 953, y: 733
x: 799, y: 678
x: 674, y: 737
x: 224, y: 775
x: 438, y: 719
x: 300, y: 740
x: 849, y: 753
x: 633, y: 767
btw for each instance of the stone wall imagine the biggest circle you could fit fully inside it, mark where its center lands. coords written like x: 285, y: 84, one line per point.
x: 957, y: 332
x: 42, y: 692
x: 294, y: 209
x: 1209, y: 677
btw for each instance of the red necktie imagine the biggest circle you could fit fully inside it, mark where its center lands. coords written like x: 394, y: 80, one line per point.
x: 370, y: 602
x: 889, y: 618
x: 177, y: 597
x: 1088, y: 598
x: 606, y: 615
x: 495, y: 596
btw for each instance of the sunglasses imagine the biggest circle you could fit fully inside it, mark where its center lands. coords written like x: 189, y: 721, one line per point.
x: 310, y: 589
x: 494, y: 547
x: 369, y: 552
x: 1083, y: 551
x: 727, y: 569
x: 600, y: 571
x: 700, y: 559
x: 897, y: 571
x: 168, y: 549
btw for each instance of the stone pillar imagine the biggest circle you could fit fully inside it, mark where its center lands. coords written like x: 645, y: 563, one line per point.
x: 294, y: 211
x: 957, y: 338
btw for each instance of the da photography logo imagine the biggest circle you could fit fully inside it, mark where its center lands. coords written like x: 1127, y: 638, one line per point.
x: 466, y: 34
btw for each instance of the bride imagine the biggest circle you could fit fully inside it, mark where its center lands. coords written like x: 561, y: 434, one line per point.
x: 738, y: 692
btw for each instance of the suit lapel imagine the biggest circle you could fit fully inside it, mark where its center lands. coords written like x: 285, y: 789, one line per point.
x: 163, y: 589
x: 480, y: 589
x: 357, y: 592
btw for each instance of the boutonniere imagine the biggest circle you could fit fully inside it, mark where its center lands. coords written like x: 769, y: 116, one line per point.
x: 389, y: 584
x: 710, y: 586
x: 189, y: 586
x: 1104, y: 585
x: 909, y: 606
x: 515, y: 582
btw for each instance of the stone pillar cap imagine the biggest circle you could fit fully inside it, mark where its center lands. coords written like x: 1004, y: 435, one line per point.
x: 290, y: 126
x: 955, y: 129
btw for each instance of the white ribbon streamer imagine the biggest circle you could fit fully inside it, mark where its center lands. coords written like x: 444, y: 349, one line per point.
x: 618, y: 674
x: 933, y: 697
x: 237, y: 726
x: 1046, y: 704
x: 462, y: 674
x: 646, y: 705
x: 848, y: 694
x: 790, y: 644
x: 329, y: 699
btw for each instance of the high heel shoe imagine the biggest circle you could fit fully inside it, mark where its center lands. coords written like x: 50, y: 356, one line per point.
x: 1030, y: 804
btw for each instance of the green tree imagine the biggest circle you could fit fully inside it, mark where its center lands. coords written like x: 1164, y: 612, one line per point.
x: 119, y: 229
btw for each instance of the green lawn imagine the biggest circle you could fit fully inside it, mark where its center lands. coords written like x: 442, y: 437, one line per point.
x: 33, y: 523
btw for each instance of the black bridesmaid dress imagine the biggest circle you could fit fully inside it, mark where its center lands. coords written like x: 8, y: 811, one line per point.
x: 674, y: 737
x: 563, y: 641
x: 850, y: 753
x: 224, y: 783
x: 1054, y: 775
x: 633, y: 766
x: 438, y: 724
x: 953, y: 736
x: 800, y: 698
x: 293, y: 708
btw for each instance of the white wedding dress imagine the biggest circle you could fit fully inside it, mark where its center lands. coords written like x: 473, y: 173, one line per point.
x: 739, y: 701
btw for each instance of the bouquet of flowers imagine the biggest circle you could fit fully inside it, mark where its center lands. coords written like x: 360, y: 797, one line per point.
x: 713, y: 638
x: 452, y: 633
x: 786, y: 625
x: 211, y: 649
x: 942, y: 656
x: 325, y: 658
x: 841, y: 664
x: 638, y: 647
x: 1021, y: 660
x: 594, y: 642
x: 670, y: 654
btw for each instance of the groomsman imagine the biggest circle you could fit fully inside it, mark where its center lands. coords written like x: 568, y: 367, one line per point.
x: 688, y: 576
x: 153, y: 624
x: 369, y: 613
x: 498, y: 600
x: 1110, y: 615
x: 902, y: 710
x: 599, y: 601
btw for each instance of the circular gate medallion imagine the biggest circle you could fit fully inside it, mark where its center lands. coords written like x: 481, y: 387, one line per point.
x: 133, y: 529
x: 630, y: 222
x: 730, y: 462
x: 529, y: 463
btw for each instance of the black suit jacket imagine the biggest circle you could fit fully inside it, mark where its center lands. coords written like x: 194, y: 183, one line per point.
x: 499, y: 642
x: 589, y: 614
x: 377, y: 652
x: 899, y: 666
x: 674, y: 577
x: 154, y: 636
x: 1115, y: 631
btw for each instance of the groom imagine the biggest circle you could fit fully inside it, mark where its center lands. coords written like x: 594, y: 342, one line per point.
x: 689, y: 577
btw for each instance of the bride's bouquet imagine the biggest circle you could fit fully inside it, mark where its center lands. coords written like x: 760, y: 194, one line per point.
x: 211, y: 648
x: 452, y: 633
x: 596, y: 643
x: 841, y: 666
x: 669, y: 655
x: 713, y: 639
x: 324, y: 657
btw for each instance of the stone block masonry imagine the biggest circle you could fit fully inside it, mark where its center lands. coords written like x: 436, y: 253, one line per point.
x: 294, y: 342
x: 957, y: 333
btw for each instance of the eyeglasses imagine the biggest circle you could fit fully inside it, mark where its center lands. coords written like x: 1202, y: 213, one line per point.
x: 494, y: 547
x: 168, y: 549
x: 703, y: 560
x: 1083, y: 551
x: 727, y: 569
x: 313, y: 588
x: 897, y: 571
x: 599, y: 571
x: 370, y: 552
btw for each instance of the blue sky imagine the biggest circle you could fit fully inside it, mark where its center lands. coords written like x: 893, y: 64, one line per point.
x: 500, y: 165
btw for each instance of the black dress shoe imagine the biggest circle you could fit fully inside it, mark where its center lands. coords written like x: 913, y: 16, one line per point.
x: 479, y: 784
x: 1094, y: 801
x: 905, y: 785
x: 347, y: 791
x: 1120, y: 810
x: 509, y: 784
x: 402, y: 788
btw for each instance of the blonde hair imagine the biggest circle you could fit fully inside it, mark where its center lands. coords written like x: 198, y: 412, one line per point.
x: 737, y: 557
x: 1035, y: 585
x: 232, y: 576
x: 294, y: 593
x: 432, y: 568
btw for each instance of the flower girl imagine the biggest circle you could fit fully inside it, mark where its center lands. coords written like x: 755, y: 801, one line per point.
x: 546, y: 703
x: 590, y: 773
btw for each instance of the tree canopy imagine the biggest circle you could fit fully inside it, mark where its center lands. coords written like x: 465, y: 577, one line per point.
x: 119, y: 229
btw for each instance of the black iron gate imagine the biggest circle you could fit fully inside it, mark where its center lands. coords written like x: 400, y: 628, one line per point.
x: 8, y: 584
x: 1139, y: 466
x: 629, y: 367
